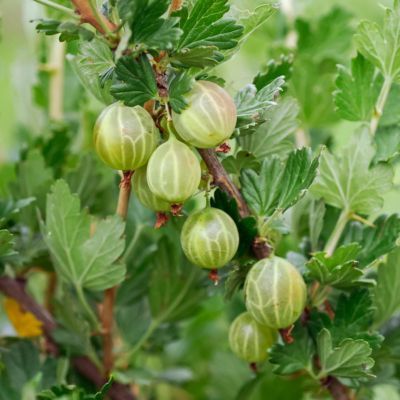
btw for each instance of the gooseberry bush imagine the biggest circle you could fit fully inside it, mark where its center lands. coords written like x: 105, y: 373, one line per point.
x: 169, y: 236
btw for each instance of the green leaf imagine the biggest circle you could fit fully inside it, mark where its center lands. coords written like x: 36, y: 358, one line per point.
x: 376, y: 240
x: 387, y: 290
x: 387, y: 141
x: 6, y: 244
x: 34, y: 180
x: 242, y: 160
x: 251, y: 21
x: 251, y: 105
x: 201, y: 57
x: 294, y: 357
x: 275, y: 135
x: 21, y: 362
x: 381, y: 44
x: 204, y: 26
x: 94, y: 60
x: 357, y: 90
x: 174, y: 292
x: 353, y: 318
x: 148, y: 26
x: 350, y: 359
x: 316, y: 222
x: 347, y: 182
x: 136, y: 81
x: 68, y: 30
x: 339, y: 270
x: 390, y: 115
x: 81, y: 259
x: 273, y: 70
x: 179, y: 85
x: 328, y: 38
x: 280, y: 184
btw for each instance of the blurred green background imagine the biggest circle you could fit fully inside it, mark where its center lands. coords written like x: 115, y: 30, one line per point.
x: 21, y: 56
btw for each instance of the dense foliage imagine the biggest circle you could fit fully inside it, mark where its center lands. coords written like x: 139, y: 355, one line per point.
x: 249, y: 238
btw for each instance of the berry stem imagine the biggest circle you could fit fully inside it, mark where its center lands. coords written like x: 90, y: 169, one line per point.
x: 107, y: 314
x: 260, y: 246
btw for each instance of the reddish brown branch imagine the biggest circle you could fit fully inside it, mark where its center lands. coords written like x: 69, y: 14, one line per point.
x: 107, y: 312
x: 15, y: 288
x: 87, y: 15
x: 260, y: 246
x: 336, y: 389
x: 222, y: 180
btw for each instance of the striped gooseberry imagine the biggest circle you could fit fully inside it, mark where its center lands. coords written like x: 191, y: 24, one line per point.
x: 125, y: 137
x: 275, y: 292
x: 145, y: 195
x: 210, y: 117
x: 250, y: 340
x: 209, y: 238
x: 173, y: 171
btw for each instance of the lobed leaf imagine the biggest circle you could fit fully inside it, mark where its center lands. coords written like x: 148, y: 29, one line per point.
x: 387, y: 290
x: 136, y: 81
x: 347, y: 182
x: 339, y: 270
x: 275, y: 135
x: 376, y: 240
x: 357, y: 90
x: 81, y: 259
x: 381, y: 44
x: 204, y: 26
x: 179, y: 85
x: 279, y: 184
x: 350, y: 359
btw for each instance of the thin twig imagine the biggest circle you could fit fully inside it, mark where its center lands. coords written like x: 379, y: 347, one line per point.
x: 260, y: 246
x: 107, y: 314
x: 97, y: 20
x: 15, y: 288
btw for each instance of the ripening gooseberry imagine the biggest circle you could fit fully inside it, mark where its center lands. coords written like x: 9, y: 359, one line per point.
x: 145, y: 195
x: 173, y: 171
x: 250, y: 340
x: 125, y: 137
x: 209, y: 238
x: 275, y: 292
x: 210, y: 117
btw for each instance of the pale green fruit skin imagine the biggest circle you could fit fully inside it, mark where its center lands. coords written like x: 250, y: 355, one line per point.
x: 275, y: 293
x: 145, y: 195
x: 210, y: 117
x: 209, y: 238
x: 125, y: 137
x: 250, y: 340
x: 173, y: 171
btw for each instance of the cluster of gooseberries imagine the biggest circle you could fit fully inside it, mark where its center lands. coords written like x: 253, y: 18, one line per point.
x: 167, y: 173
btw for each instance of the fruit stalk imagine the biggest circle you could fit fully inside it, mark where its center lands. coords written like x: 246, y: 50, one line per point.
x: 260, y: 246
x: 107, y: 315
x: 87, y: 14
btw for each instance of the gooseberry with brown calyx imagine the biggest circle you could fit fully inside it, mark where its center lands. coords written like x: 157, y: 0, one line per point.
x: 173, y: 171
x: 209, y: 239
x: 275, y: 292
